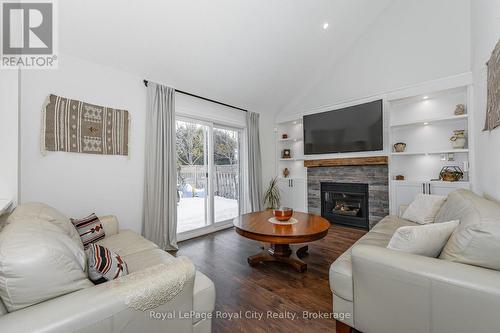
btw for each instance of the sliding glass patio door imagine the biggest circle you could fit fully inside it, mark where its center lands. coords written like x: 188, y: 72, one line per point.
x: 192, y: 174
x: 208, y: 174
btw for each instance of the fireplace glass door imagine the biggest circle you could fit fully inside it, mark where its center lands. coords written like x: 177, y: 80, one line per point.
x: 345, y: 203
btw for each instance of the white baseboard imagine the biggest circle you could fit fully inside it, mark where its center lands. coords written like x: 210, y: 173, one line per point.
x: 204, y: 231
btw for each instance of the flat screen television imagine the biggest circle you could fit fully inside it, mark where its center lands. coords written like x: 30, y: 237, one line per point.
x: 352, y: 129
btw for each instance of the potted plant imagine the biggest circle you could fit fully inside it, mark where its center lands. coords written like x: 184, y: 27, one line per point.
x: 272, y: 194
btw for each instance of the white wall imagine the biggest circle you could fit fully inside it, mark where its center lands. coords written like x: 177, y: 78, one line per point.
x: 410, y: 42
x: 79, y: 184
x: 9, y: 134
x: 485, y: 34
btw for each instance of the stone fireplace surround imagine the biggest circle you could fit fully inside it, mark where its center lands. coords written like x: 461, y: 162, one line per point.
x: 376, y: 175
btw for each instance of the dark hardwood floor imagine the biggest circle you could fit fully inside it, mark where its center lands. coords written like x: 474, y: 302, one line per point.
x: 273, y: 286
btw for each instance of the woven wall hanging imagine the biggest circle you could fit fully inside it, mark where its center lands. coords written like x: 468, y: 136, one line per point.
x: 493, y: 98
x: 74, y: 126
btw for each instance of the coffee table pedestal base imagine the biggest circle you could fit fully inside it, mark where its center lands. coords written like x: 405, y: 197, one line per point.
x: 282, y: 253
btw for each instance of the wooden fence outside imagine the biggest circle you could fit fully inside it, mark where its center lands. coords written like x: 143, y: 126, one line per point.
x: 226, y: 181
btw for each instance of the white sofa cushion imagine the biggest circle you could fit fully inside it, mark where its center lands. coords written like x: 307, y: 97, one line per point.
x: 475, y: 244
x: 38, y: 261
x: 127, y: 242
x: 426, y: 240
x: 468, y: 208
x: 424, y: 208
x: 341, y: 269
x: 477, y: 240
x: 38, y: 210
x: 139, y: 261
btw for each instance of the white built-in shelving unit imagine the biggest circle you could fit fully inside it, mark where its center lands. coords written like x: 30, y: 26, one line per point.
x: 293, y: 188
x: 425, y: 122
x: 430, y: 152
x: 422, y: 116
x: 294, y: 130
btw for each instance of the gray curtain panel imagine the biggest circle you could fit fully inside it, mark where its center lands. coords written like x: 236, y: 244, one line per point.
x: 254, y: 162
x: 160, y: 184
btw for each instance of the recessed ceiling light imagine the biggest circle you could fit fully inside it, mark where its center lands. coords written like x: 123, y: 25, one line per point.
x: 325, y: 25
x: 426, y: 123
x: 425, y: 97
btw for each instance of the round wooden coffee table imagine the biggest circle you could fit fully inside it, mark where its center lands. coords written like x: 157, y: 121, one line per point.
x: 256, y: 226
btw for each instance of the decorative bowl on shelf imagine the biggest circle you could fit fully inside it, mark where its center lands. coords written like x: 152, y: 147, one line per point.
x: 451, y: 174
x: 399, y: 147
x: 283, y: 213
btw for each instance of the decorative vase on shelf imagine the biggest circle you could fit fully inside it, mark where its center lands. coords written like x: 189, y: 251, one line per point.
x: 460, y: 109
x: 399, y: 147
x: 286, y: 173
x: 459, y: 139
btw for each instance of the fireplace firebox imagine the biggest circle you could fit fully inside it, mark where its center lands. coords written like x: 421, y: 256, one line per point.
x: 345, y: 204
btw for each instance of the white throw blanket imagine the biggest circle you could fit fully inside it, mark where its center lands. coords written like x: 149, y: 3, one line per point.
x: 155, y: 285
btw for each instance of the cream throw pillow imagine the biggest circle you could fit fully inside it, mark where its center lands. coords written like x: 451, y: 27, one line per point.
x: 425, y: 240
x: 424, y: 208
x: 475, y: 244
x: 477, y: 240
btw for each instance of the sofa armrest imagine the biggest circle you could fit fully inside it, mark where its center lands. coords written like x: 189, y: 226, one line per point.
x: 110, y: 224
x: 400, y: 292
x: 100, y: 309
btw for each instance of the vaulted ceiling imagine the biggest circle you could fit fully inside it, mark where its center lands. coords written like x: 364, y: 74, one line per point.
x: 257, y: 54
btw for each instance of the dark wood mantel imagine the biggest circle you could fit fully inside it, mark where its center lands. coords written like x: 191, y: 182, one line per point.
x: 371, y: 160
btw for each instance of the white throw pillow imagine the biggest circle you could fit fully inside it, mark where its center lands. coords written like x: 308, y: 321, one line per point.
x: 475, y: 244
x: 424, y: 208
x: 425, y: 240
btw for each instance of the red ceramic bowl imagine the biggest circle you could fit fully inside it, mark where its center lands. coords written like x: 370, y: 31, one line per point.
x: 283, y: 213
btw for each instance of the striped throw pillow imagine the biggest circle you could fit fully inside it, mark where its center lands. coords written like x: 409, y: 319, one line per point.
x: 89, y: 228
x: 104, y: 265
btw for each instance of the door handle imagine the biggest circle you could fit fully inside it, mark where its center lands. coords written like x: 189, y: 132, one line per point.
x: 429, y: 192
x: 423, y: 188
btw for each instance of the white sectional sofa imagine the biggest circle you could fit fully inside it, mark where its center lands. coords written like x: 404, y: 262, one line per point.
x: 377, y: 290
x: 94, y: 308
